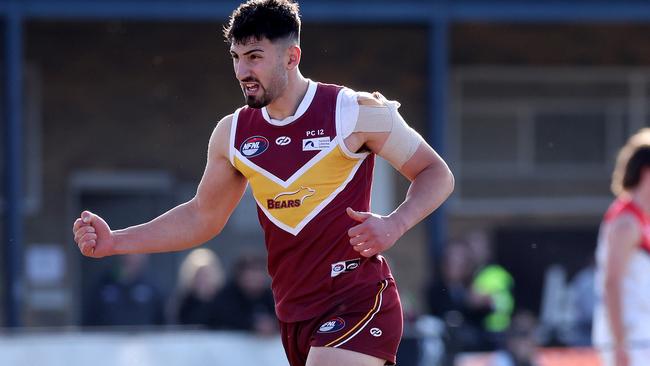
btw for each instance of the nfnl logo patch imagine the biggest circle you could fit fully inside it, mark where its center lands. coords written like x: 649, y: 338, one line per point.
x: 254, y: 146
x: 332, y: 325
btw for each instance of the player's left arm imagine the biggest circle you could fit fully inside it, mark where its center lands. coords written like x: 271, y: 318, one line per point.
x: 388, y: 135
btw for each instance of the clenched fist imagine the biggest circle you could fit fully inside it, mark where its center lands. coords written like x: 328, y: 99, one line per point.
x: 93, y: 236
x: 375, y: 234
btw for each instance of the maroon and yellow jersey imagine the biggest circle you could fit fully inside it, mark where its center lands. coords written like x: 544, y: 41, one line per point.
x: 303, y: 178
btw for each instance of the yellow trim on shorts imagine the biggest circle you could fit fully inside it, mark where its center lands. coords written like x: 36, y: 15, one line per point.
x: 374, y: 309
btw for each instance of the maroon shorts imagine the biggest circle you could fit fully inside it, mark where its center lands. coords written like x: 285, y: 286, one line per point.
x: 370, y: 323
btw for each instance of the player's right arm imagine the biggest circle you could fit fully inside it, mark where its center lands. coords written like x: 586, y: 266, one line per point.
x: 186, y: 225
x: 622, y: 240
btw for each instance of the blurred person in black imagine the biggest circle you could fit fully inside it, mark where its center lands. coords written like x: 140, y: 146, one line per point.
x: 125, y: 296
x: 200, y: 279
x: 246, y: 302
x: 451, y: 298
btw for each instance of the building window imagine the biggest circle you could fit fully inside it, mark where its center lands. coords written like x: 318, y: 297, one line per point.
x: 541, y: 140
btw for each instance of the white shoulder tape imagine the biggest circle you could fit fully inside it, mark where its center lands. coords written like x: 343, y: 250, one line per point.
x: 377, y: 114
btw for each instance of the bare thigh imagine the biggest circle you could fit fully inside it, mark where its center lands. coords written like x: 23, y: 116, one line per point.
x: 329, y: 356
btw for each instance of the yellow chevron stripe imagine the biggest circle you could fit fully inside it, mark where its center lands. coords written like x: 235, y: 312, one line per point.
x: 326, y: 176
x: 384, y: 284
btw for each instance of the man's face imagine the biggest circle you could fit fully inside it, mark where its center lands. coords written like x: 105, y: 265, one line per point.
x: 260, y: 68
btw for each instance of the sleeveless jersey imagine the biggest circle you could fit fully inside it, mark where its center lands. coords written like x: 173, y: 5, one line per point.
x: 636, y: 282
x: 303, y: 178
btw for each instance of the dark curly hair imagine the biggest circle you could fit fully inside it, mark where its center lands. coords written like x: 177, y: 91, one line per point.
x: 258, y: 19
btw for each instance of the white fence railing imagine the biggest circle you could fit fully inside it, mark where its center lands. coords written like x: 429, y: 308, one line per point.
x: 140, y: 349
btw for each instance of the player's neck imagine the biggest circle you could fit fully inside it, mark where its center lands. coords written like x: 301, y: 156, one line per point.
x: 287, y: 104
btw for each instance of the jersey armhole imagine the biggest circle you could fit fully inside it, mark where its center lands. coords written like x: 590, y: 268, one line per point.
x: 233, y: 132
x: 346, y: 114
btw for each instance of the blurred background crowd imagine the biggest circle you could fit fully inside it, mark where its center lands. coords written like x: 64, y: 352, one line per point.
x: 527, y: 100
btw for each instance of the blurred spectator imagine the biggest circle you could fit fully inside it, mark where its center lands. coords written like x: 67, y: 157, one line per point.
x: 200, y: 279
x: 246, y: 303
x: 451, y: 299
x: 581, y: 302
x: 125, y: 296
x: 554, y: 311
x: 494, y: 282
x: 430, y: 331
x: 520, y: 344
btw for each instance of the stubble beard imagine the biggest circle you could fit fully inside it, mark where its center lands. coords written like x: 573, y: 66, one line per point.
x: 261, y: 101
x: 277, y: 83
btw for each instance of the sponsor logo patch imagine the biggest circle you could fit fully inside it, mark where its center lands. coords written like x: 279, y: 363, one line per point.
x: 344, y: 266
x: 316, y: 144
x: 290, y: 199
x: 283, y: 140
x: 376, y: 332
x: 331, y: 326
x: 254, y: 146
